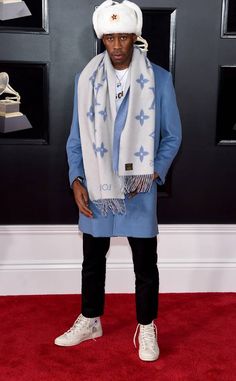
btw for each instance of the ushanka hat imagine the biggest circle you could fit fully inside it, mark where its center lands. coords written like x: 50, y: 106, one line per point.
x: 113, y: 17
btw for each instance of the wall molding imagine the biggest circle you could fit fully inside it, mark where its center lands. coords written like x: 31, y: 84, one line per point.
x: 46, y: 259
x: 64, y: 265
x: 73, y: 229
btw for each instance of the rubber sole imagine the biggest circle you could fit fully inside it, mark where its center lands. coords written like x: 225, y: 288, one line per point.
x: 148, y: 358
x: 72, y: 345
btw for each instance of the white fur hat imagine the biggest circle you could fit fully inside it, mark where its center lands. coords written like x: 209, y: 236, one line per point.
x: 114, y: 17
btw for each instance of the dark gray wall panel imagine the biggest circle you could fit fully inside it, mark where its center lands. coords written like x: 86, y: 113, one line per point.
x: 34, y: 186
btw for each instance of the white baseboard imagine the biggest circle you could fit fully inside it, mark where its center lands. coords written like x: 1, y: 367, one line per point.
x: 47, y: 260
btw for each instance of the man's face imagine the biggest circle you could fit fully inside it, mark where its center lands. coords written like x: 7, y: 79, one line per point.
x: 120, y: 48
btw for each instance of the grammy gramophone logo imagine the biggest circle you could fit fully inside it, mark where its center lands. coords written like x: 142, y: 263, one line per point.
x: 13, y: 9
x: 11, y: 119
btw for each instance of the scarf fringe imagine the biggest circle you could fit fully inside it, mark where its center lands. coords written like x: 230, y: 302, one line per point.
x: 116, y: 206
x: 139, y: 183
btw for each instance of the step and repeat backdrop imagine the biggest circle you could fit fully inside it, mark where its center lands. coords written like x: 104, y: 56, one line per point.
x: 43, y: 44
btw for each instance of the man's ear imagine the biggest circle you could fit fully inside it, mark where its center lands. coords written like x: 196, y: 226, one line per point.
x: 134, y: 38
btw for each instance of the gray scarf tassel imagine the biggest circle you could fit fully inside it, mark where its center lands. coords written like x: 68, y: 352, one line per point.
x: 142, y: 183
x: 131, y: 183
x: 116, y: 206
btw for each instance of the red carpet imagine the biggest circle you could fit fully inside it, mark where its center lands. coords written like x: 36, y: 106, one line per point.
x: 197, y: 337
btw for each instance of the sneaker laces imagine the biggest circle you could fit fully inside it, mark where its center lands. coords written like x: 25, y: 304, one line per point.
x: 148, y: 336
x: 80, y: 322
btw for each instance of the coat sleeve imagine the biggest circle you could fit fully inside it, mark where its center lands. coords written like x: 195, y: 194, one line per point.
x: 170, y: 130
x: 73, y: 146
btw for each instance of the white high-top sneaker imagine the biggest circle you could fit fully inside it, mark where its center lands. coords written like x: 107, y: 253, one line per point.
x: 82, y: 329
x: 148, y: 347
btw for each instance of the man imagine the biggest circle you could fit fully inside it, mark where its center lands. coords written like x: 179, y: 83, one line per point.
x: 125, y: 134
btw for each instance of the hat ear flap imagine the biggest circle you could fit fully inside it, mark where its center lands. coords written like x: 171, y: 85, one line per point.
x: 138, y: 13
x: 105, y: 4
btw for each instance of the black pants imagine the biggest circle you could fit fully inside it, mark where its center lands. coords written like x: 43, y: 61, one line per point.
x: 144, y: 253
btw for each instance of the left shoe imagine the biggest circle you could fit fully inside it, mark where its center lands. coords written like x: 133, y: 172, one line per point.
x: 148, y: 346
x: 82, y: 329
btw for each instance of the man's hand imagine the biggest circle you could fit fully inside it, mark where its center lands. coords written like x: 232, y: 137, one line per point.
x: 155, y: 175
x: 81, y: 198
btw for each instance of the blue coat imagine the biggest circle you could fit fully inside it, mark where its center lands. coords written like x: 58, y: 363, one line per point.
x: 140, y: 219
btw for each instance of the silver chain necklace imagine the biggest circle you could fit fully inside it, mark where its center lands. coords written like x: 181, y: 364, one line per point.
x: 119, y: 80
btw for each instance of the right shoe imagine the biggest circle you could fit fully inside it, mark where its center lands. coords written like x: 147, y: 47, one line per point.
x: 82, y: 329
x: 148, y: 346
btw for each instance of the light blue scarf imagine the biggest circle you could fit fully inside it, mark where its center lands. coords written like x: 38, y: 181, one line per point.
x: 117, y: 147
